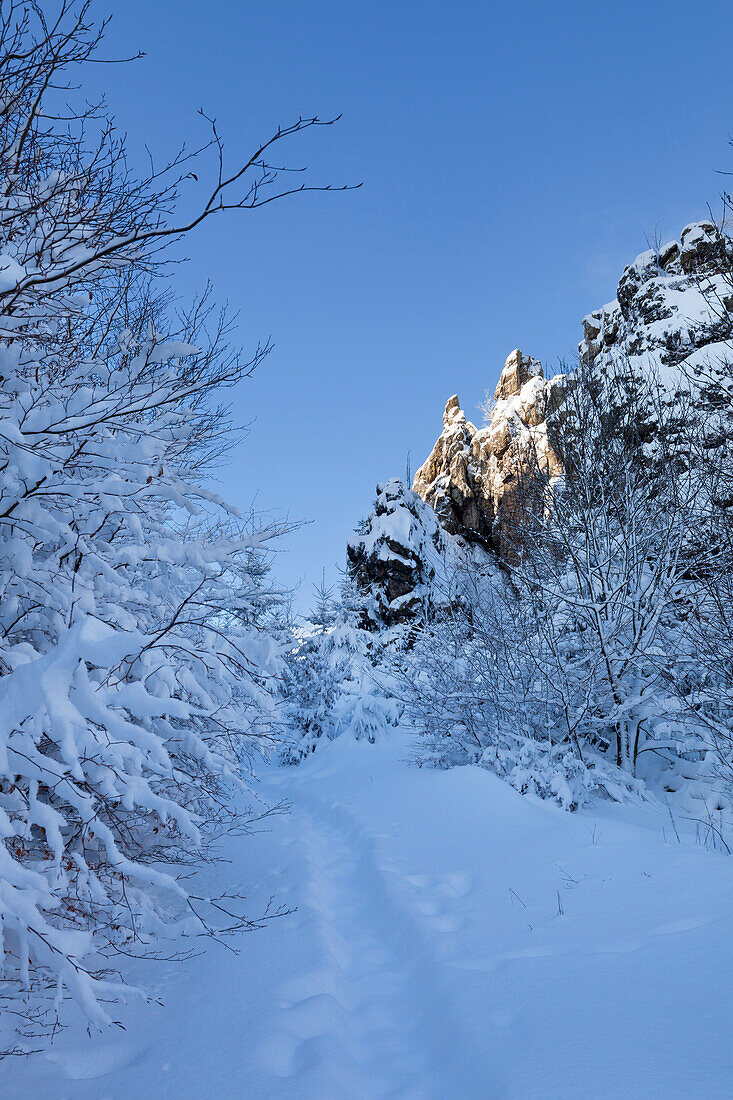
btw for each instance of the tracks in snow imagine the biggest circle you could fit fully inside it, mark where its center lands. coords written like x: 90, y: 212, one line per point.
x: 373, y: 1019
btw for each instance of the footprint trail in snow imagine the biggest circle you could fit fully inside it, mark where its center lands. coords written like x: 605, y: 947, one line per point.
x: 374, y: 1016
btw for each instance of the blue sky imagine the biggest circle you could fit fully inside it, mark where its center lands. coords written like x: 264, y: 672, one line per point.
x: 514, y: 157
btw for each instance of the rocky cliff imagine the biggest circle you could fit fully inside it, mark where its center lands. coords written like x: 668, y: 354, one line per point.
x: 672, y: 312
x: 470, y: 478
x: 672, y: 316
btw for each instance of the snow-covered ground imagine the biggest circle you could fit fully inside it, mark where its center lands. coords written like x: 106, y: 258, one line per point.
x: 452, y: 939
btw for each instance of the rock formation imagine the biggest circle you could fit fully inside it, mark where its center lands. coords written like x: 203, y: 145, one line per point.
x: 672, y: 309
x: 471, y: 478
x: 672, y: 316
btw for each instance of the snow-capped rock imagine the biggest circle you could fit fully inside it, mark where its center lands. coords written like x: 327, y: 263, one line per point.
x: 472, y: 474
x: 672, y: 318
x: 669, y: 304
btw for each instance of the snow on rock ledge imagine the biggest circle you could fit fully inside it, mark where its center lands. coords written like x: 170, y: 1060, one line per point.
x: 669, y: 304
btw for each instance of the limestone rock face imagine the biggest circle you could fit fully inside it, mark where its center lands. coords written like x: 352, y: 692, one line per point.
x: 672, y: 317
x: 669, y: 304
x: 471, y: 478
x: 518, y: 370
x: 450, y: 481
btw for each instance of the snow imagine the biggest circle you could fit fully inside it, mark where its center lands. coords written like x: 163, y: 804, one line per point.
x: 452, y: 938
x: 708, y: 360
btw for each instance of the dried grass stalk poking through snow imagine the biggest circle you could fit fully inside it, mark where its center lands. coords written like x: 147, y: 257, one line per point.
x: 134, y: 657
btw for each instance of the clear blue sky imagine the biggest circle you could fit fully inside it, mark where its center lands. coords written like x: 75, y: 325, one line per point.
x: 514, y: 157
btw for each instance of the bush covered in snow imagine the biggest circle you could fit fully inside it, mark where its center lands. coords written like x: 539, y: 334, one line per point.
x: 135, y: 661
x: 595, y: 657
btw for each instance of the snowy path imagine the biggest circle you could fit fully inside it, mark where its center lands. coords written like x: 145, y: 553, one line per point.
x: 451, y: 939
x: 377, y: 1014
x: 357, y: 1013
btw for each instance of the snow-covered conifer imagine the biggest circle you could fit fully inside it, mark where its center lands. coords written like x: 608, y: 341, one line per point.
x: 394, y: 557
x: 323, y: 614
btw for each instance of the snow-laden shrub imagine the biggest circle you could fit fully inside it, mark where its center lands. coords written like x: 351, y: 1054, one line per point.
x: 590, y: 661
x: 364, y: 709
x: 481, y: 686
x: 314, y: 671
x: 552, y: 772
x: 135, y: 661
x: 556, y: 773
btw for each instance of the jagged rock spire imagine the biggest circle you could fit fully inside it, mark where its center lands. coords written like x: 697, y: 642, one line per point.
x: 471, y: 472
